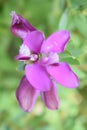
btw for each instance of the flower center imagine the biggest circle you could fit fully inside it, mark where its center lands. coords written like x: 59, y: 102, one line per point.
x: 50, y: 58
x: 24, y: 51
x: 46, y: 59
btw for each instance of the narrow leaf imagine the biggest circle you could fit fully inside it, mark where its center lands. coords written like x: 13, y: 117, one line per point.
x: 63, y: 20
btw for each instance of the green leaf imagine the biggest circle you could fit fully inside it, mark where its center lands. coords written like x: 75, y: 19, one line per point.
x: 81, y: 5
x: 68, y: 57
x: 81, y: 24
x: 21, y: 66
x: 70, y: 60
x: 65, y: 54
x: 79, y: 72
x: 76, y: 52
x: 64, y: 20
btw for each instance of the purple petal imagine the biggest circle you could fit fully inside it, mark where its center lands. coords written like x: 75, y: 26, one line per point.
x: 50, y: 98
x: 20, y: 57
x: 20, y: 26
x: 26, y: 95
x: 53, y: 58
x: 38, y: 77
x: 49, y: 59
x: 63, y: 74
x: 56, y: 42
x: 34, y: 41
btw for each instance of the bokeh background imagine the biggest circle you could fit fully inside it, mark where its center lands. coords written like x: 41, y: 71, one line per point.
x: 48, y: 16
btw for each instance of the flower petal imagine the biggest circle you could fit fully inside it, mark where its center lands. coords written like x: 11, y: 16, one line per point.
x: 49, y: 59
x: 50, y: 98
x: 34, y: 41
x: 26, y: 95
x: 56, y: 42
x: 63, y: 74
x: 38, y: 77
x: 20, y: 26
x: 20, y: 57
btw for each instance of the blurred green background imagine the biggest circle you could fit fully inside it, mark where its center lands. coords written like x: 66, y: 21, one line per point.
x: 48, y: 16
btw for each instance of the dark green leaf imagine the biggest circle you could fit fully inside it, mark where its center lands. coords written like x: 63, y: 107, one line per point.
x: 21, y: 66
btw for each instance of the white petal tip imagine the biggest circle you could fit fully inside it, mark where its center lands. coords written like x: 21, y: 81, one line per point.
x: 15, y: 18
x: 13, y: 13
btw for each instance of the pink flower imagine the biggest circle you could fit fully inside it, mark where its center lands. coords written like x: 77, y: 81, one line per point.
x: 43, y: 68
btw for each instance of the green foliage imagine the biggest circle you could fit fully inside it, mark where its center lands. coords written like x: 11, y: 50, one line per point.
x: 48, y: 16
x: 63, y: 20
x: 21, y: 66
x: 69, y: 58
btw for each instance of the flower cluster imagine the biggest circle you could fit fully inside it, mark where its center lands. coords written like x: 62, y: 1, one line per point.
x: 43, y: 69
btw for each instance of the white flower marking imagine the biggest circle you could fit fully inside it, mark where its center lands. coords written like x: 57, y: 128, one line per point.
x: 24, y: 50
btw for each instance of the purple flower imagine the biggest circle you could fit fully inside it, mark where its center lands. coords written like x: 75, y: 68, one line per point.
x: 20, y: 26
x: 43, y: 68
